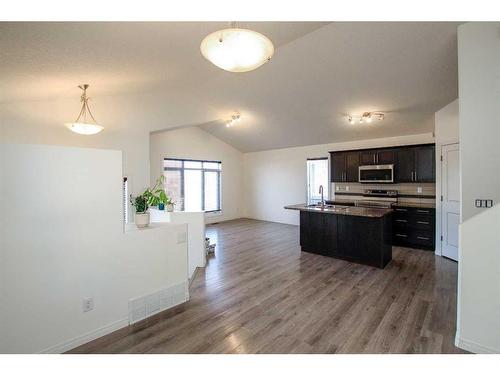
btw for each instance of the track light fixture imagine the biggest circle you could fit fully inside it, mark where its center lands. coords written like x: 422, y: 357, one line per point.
x: 365, y: 117
x: 236, y: 117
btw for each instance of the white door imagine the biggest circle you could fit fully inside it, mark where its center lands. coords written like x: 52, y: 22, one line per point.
x: 450, y: 207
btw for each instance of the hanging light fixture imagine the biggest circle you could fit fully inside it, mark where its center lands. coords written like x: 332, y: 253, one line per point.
x: 85, y: 123
x: 237, y: 50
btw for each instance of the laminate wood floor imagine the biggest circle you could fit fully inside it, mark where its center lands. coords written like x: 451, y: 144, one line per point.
x: 261, y: 294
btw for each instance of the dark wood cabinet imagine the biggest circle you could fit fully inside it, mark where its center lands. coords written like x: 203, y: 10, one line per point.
x: 376, y: 156
x: 411, y: 163
x: 359, y: 239
x: 415, y: 164
x: 414, y: 227
x: 344, y: 166
x: 425, y: 164
x: 352, y: 166
x: 405, y: 165
x: 337, y: 165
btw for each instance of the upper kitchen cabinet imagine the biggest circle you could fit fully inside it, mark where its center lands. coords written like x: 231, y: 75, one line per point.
x: 415, y: 164
x: 372, y: 157
x: 344, y: 166
x: 425, y: 164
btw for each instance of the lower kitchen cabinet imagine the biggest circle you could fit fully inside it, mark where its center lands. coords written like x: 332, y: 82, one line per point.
x: 414, y: 227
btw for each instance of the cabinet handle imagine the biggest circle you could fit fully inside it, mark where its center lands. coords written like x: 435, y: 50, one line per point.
x: 422, y: 222
x: 402, y: 221
x: 423, y: 238
x: 401, y: 235
x: 423, y: 211
x: 401, y: 209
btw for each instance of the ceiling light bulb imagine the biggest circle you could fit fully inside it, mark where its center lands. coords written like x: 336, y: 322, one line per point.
x: 369, y: 119
x: 237, y: 50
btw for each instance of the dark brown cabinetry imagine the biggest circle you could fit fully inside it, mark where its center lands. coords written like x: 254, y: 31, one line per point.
x: 411, y: 163
x: 415, y: 164
x: 414, y: 227
x: 344, y: 166
x: 364, y: 240
x: 378, y: 156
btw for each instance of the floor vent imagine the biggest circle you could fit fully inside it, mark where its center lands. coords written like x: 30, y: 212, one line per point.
x: 142, y: 307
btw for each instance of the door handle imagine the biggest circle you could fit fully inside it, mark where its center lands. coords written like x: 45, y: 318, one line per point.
x: 423, y: 211
x: 401, y: 235
x: 401, y: 209
x: 402, y: 221
x: 423, y: 238
x: 423, y: 222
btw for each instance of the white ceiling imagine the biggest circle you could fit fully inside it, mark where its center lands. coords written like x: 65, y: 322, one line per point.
x: 320, y: 73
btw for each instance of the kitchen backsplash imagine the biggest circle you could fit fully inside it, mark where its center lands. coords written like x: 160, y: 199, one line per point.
x: 408, y: 193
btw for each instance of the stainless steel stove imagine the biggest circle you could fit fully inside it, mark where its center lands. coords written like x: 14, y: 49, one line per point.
x: 378, y: 198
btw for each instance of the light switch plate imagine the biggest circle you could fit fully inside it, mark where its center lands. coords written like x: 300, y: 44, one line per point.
x: 88, y: 304
x: 347, y: 188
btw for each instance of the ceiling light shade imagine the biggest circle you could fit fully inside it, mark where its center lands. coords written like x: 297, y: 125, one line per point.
x: 85, y: 122
x: 237, y: 50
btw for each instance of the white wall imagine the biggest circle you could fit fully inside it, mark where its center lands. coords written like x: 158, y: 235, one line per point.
x: 479, y: 255
x: 194, y: 143
x: 277, y: 178
x: 62, y: 240
x: 127, y: 119
x: 446, y: 133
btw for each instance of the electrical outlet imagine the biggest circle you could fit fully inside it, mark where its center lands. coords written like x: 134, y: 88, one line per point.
x: 419, y: 189
x: 337, y: 188
x: 347, y: 188
x: 88, y: 304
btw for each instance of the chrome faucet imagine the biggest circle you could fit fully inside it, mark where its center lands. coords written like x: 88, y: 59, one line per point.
x: 322, y: 197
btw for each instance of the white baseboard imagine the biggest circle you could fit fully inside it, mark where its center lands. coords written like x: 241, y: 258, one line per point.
x: 83, y: 339
x: 474, y: 347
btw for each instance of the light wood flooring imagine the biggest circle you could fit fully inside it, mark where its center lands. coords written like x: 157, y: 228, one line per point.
x: 261, y: 294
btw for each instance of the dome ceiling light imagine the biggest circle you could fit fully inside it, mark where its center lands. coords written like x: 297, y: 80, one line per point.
x: 365, y: 117
x: 237, y: 50
x: 85, y: 122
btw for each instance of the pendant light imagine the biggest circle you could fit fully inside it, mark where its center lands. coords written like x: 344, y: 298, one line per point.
x: 85, y: 123
x: 237, y: 50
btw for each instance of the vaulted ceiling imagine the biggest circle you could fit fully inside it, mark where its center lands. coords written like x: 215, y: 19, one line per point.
x: 320, y: 73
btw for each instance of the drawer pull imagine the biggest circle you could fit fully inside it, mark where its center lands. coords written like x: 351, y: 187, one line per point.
x: 423, y: 238
x: 401, y: 209
x: 401, y: 220
x: 401, y: 235
x: 423, y: 222
x: 423, y: 211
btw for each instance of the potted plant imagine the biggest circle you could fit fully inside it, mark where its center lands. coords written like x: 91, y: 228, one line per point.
x: 141, y: 206
x: 156, y: 196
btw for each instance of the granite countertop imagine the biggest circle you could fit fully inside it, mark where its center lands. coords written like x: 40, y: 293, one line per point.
x: 399, y: 204
x: 342, y: 210
x: 416, y: 205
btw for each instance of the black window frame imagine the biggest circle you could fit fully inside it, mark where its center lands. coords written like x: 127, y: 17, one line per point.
x: 181, y: 169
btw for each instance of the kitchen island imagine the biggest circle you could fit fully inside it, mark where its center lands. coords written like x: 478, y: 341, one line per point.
x: 357, y: 234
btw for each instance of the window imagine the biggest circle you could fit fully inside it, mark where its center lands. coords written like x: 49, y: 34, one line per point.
x: 193, y: 185
x: 317, y: 175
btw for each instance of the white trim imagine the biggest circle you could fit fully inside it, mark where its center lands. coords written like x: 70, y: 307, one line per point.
x: 473, y: 347
x: 83, y: 339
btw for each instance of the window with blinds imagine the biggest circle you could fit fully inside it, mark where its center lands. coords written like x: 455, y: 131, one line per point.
x: 193, y: 185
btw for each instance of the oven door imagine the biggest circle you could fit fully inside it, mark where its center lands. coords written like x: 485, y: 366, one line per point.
x: 376, y: 173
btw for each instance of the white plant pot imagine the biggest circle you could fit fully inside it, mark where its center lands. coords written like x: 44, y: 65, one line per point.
x: 170, y: 207
x: 142, y: 220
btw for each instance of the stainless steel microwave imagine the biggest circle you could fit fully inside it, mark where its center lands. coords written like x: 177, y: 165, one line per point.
x: 383, y: 173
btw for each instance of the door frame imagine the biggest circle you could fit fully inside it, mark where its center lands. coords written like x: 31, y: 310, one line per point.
x: 439, y: 193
